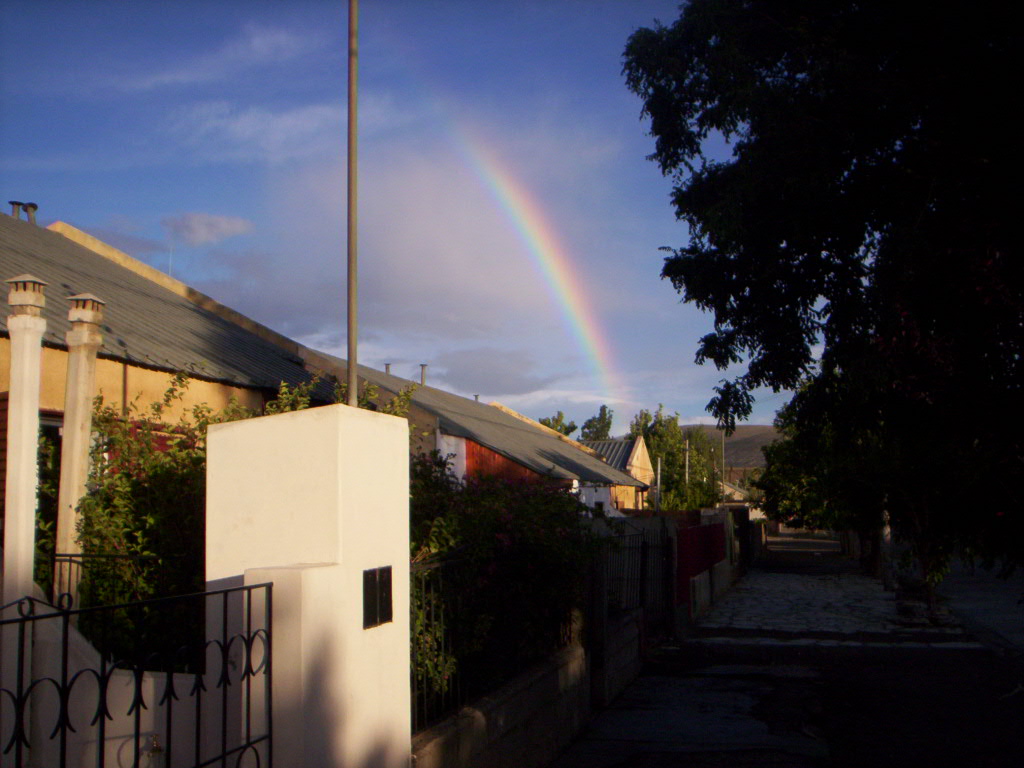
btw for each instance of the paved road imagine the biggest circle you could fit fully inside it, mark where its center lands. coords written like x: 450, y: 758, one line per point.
x: 807, y: 663
x: 991, y: 607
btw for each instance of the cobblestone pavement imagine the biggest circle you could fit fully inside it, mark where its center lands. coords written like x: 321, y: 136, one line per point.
x: 829, y: 605
x: 792, y: 668
x: 843, y: 603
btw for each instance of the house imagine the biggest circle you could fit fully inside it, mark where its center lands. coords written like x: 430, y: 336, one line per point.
x: 490, y: 439
x: 629, y: 455
x: 155, y: 325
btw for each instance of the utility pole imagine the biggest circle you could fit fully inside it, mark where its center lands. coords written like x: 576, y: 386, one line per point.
x: 353, y: 301
x: 657, y: 496
x: 723, y: 463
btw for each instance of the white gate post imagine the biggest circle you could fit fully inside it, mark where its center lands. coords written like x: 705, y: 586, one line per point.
x: 84, y: 340
x: 317, y: 502
x: 26, y: 327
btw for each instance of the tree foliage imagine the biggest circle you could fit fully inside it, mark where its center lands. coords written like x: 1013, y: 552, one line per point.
x: 558, y: 423
x: 690, y: 462
x: 599, y: 426
x: 859, y: 239
x: 521, y: 552
x: 825, y: 478
x: 146, y: 492
x: 142, y: 520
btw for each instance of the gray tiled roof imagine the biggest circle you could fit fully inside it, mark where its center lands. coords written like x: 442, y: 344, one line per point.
x: 518, y: 440
x: 616, y: 451
x: 148, y: 325
x: 144, y: 323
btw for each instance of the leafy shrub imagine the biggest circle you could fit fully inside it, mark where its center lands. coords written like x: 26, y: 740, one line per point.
x: 521, y: 555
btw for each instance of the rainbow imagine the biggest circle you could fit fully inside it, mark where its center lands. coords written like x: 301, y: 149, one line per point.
x: 549, y: 257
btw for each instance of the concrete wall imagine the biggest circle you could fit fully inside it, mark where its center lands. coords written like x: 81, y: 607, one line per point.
x: 309, y: 501
x: 527, y: 722
x: 119, y: 382
x: 623, y: 657
x: 524, y: 724
x: 591, y: 495
x: 453, y: 448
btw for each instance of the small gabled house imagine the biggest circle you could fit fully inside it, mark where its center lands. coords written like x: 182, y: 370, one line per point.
x: 490, y: 439
x: 628, y: 455
x: 155, y: 325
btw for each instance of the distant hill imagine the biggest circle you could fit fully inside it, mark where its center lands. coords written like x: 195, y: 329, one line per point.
x: 742, y: 447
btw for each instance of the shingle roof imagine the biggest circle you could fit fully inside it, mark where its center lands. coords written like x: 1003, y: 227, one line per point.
x: 517, y: 439
x: 144, y: 324
x: 149, y: 325
x: 616, y: 451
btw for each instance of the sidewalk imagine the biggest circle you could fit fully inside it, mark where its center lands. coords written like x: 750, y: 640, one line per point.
x: 990, y: 607
x: 796, y: 666
x: 806, y: 595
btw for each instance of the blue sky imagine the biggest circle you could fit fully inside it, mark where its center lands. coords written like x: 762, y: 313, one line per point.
x: 208, y: 139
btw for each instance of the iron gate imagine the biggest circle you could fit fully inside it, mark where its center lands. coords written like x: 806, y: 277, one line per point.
x: 177, y: 682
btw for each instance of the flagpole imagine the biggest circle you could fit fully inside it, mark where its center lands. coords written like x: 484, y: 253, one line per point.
x: 353, y: 327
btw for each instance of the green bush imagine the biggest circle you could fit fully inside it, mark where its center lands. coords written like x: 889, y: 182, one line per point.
x: 519, y: 555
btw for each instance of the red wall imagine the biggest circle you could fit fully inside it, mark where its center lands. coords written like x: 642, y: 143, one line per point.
x: 481, y: 461
x: 699, y: 548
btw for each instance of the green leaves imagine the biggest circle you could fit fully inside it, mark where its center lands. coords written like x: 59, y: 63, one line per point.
x: 858, y: 233
x: 690, y: 462
x: 598, y: 427
x: 522, y: 556
x: 558, y: 423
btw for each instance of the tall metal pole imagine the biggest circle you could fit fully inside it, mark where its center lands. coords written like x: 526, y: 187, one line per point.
x: 687, y: 473
x: 657, y: 497
x: 353, y: 303
x: 723, y: 463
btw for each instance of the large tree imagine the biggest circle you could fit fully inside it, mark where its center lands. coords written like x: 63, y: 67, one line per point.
x: 598, y: 427
x: 558, y: 423
x: 853, y: 232
x: 690, y: 461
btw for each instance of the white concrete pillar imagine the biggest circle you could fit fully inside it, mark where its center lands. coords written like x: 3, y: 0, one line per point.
x: 317, y: 502
x: 26, y: 326
x: 84, y: 340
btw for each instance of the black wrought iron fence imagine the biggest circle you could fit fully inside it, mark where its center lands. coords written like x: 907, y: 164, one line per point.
x: 463, y: 648
x: 465, y: 641
x: 65, y: 701
x: 437, y: 688
x: 70, y: 569
x: 638, y: 569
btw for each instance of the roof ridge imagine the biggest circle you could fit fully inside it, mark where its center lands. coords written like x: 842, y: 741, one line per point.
x: 554, y: 432
x: 175, y: 286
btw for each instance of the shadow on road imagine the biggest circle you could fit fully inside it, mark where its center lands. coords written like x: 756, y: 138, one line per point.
x: 813, y: 553
x: 792, y: 679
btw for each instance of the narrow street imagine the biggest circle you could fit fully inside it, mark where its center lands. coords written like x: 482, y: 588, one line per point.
x: 807, y: 663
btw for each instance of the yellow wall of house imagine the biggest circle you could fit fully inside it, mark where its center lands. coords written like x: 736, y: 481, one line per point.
x: 115, y: 379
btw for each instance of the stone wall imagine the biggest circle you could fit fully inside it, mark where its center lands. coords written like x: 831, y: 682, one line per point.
x: 529, y: 721
x: 523, y: 724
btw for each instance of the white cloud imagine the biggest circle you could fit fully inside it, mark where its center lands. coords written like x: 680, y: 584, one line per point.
x: 437, y: 258
x: 220, y: 131
x: 255, y: 47
x: 205, y: 228
x: 491, y: 371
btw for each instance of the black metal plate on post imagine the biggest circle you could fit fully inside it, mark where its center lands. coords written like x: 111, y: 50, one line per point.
x: 377, y: 608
